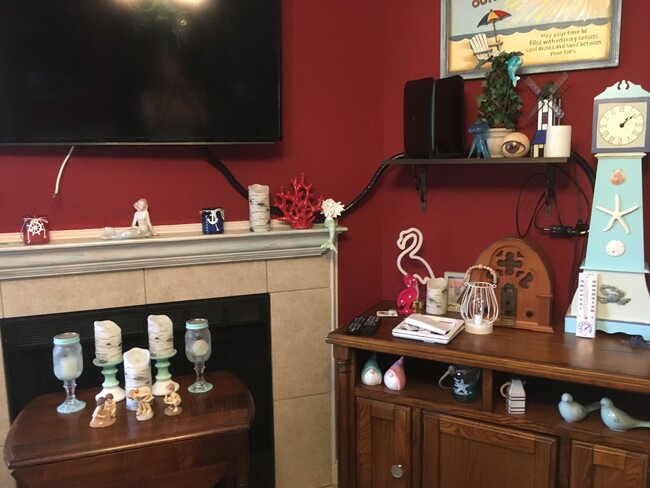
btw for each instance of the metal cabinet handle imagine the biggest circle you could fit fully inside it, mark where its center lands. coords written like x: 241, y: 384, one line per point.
x: 397, y: 471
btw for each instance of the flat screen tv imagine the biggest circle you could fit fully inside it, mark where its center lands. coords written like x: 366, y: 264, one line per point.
x: 139, y: 71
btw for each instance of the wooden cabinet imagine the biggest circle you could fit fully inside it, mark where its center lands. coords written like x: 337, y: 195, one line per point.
x: 594, y: 466
x: 421, y: 437
x: 383, y: 445
x: 466, y: 454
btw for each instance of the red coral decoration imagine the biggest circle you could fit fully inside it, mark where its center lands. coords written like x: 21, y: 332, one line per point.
x: 300, y: 207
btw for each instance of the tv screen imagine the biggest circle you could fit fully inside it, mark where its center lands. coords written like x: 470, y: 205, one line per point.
x: 139, y: 71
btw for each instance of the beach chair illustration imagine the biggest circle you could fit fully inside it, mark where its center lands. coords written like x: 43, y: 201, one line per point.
x: 482, y: 49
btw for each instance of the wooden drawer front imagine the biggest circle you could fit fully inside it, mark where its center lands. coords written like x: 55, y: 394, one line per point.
x: 467, y: 454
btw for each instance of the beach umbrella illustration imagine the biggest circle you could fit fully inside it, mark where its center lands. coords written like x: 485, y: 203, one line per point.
x: 492, y: 17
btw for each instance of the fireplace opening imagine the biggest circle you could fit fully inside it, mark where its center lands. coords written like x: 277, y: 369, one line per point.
x: 241, y: 343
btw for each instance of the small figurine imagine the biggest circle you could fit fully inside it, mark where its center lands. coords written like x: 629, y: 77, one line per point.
x: 617, y: 419
x: 331, y: 210
x: 144, y: 398
x: 395, y: 378
x: 101, y: 416
x: 172, y: 399
x: 514, y: 63
x: 479, y: 143
x: 408, y: 295
x: 140, y: 227
x: 110, y: 406
x: 572, y: 411
x: 371, y: 374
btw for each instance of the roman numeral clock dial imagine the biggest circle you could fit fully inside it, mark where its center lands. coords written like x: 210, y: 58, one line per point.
x: 621, y: 124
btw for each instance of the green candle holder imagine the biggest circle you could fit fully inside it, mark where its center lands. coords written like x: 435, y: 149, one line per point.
x: 110, y: 384
x: 163, y: 377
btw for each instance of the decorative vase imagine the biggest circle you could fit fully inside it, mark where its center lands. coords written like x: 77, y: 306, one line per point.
x: 494, y: 138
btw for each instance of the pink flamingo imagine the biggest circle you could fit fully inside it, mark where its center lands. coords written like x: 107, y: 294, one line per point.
x: 408, y: 295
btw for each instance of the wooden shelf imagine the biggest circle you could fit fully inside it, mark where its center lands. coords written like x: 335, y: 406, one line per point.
x: 422, y: 164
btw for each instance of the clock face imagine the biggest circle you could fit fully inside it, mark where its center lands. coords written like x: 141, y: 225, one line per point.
x: 620, y: 126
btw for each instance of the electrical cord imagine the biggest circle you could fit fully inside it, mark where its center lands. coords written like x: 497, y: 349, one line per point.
x: 219, y: 165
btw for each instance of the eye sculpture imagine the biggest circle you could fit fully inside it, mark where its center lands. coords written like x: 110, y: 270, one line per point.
x: 515, y: 145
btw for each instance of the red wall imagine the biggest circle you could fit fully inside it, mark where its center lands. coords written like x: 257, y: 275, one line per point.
x: 344, y: 66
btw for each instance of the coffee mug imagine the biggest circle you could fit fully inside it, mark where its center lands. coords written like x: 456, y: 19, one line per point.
x: 466, y: 385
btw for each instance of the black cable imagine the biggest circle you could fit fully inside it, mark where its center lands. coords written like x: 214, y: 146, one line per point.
x: 218, y: 164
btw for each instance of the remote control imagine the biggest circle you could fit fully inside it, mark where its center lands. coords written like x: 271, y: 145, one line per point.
x: 355, y: 326
x: 370, y: 325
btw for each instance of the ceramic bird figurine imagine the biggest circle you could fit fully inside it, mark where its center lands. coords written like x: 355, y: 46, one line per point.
x: 371, y: 374
x: 617, y: 419
x: 395, y: 378
x: 573, y: 411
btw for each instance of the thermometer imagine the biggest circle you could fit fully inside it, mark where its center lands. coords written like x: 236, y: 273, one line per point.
x: 587, y: 302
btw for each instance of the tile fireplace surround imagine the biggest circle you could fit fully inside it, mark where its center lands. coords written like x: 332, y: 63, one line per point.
x: 78, y: 271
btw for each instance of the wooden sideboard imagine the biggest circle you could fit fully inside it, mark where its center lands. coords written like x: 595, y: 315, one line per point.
x: 206, y: 442
x: 422, y: 437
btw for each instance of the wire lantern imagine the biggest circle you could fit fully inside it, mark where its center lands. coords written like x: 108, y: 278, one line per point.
x: 478, y: 302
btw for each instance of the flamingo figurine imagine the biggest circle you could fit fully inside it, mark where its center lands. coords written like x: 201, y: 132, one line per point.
x: 410, y: 242
x: 408, y: 295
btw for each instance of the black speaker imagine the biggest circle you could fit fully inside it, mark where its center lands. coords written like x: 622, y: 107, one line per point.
x: 434, y: 118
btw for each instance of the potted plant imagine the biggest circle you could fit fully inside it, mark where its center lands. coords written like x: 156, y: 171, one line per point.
x: 500, y: 105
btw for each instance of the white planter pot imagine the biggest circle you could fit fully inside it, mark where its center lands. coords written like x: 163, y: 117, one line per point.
x: 494, y: 139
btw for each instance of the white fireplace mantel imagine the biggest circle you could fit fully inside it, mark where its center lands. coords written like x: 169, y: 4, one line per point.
x: 83, y: 251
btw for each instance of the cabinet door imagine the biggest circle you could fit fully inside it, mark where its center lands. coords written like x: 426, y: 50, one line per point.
x: 595, y: 466
x: 383, y: 445
x: 462, y: 453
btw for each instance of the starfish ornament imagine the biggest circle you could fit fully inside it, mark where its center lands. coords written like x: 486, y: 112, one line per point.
x: 617, y: 214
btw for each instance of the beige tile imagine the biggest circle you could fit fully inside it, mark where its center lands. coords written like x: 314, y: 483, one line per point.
x: 301, y: 358
x: 72, y: 293
x: 206, y: 281
x: 6, y: 481
x: 299, y: 274
x: 303, y: 440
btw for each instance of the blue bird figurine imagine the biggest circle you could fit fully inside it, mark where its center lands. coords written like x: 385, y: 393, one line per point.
x: 514, y: 63
x: 617, y: 419
x: 572, y: 411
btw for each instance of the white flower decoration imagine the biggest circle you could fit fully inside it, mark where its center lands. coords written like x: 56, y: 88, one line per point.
x: 332, y: 209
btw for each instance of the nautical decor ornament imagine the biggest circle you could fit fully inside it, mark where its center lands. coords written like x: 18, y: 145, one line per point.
x: 300, y: 207
x: 331, y: 210
x: 212, y: 220
x: 140, y: 226
x: 35, y: 229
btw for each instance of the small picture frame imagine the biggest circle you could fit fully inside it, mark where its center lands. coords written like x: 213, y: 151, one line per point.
x: 455, y: 282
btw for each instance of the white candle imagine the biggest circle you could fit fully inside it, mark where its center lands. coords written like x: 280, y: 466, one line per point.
x: 108, y: 342
x: 200, y: 348
x: 161, y: 335
x: 137, y: 372
x: 67, y: 369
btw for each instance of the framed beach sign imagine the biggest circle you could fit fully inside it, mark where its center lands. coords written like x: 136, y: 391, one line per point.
x: 552, y: 35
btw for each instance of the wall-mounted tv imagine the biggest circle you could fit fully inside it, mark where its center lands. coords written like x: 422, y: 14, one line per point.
x: 139, y: 71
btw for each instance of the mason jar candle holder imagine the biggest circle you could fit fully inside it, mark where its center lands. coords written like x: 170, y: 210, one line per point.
x: 198, y: 347
x: 68, y: 366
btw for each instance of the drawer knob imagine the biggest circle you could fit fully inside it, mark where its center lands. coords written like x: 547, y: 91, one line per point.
x: 396, y: 470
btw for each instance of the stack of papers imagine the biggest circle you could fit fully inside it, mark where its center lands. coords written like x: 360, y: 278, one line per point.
x: 428, y: 328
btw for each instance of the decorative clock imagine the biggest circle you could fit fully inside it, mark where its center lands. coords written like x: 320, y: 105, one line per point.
x: 615, y: 248
x: 620, y: 122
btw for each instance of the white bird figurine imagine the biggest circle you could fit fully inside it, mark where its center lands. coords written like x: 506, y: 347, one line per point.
x: 573, y: 411
x: 617, y: 419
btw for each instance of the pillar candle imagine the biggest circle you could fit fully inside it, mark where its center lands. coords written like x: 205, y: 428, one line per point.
x: 161, y: 335
x: 108, y: 342
x: 137, y: 372
x: 259, y: 207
